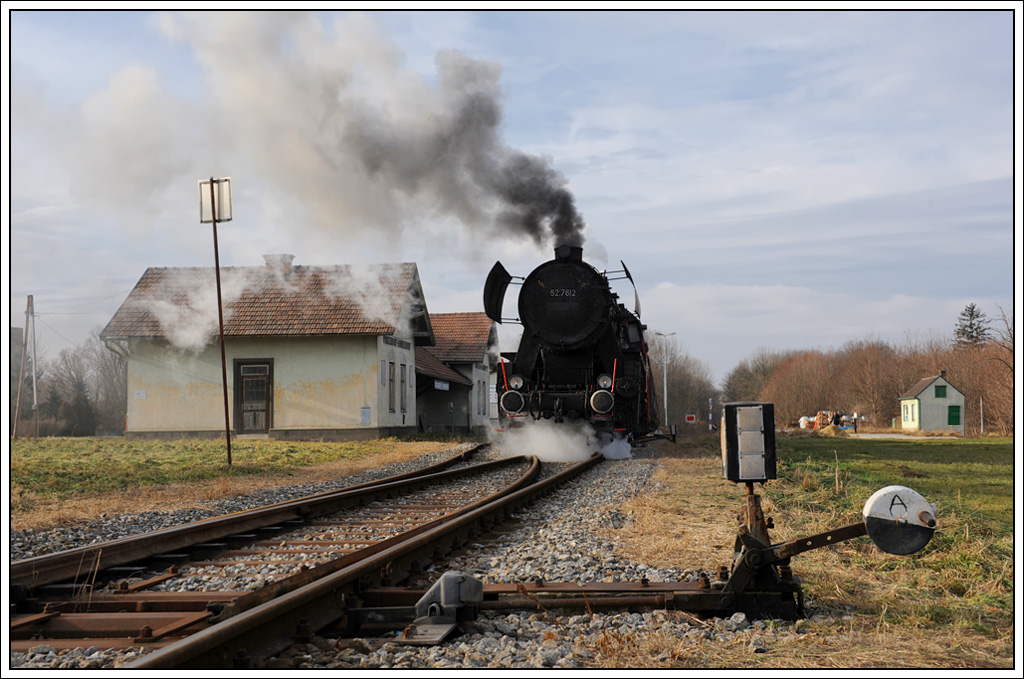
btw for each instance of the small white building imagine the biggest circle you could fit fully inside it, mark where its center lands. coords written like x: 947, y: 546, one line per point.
x: 933, y: 405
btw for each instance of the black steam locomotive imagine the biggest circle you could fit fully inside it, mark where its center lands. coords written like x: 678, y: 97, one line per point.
x: 582, y: 355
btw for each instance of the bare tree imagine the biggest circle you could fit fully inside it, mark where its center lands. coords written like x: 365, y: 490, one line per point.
x: 109, y: 380
x: 1003, y: 340
x: 868, y: 377
x: 86, y: 389
x: 802, y: 385
x: 746, y: 381
x: 869, y: 385
x: 689, y: 380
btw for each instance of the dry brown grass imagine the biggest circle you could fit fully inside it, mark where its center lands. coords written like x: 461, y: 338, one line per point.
x: 669, y: 529
x: 858, y: 644
x: 47, y: 513
x: 880, y: 612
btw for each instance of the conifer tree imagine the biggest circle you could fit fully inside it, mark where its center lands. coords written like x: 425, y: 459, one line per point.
x: 971, y: 327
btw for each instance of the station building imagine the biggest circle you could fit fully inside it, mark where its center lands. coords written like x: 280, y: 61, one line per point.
x: 311, y: 352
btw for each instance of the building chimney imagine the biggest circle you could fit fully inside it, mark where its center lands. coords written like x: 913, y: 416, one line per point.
x: 282, y: 263
x: 942, y: 374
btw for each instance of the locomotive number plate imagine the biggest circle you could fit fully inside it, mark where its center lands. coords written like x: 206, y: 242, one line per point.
x: 563, y: 292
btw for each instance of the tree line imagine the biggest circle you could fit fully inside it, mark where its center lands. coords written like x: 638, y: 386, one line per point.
x: 82, y: 392
x: 689, y: 382
x: 864, y: 376
x: 868, y: 376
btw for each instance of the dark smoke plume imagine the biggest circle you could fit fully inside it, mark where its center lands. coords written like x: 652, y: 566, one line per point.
x: 462, y: 162
x: 327, y: 119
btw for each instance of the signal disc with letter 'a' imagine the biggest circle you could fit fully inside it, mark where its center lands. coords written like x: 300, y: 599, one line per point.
x: 899, y: 520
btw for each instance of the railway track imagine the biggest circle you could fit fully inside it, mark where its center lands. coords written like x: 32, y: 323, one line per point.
x: 227, y: 591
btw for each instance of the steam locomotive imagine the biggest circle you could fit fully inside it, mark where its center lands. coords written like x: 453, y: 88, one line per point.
x: 582, y: 356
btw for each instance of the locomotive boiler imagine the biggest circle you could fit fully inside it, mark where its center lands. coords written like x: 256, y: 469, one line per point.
x: 582, y: 355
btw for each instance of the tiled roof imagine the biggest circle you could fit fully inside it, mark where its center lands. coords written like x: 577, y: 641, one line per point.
x: 428, y: 364
x: 260, y: 300
x: 462, y: 337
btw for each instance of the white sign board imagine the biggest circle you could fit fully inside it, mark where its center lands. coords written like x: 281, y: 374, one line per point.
x: 222, y: 194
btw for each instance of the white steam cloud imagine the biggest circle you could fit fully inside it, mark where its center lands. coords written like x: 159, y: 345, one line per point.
x: 370, y: 287
x: 560, y: 442
x: 185, y: 305
x: 190, y: 323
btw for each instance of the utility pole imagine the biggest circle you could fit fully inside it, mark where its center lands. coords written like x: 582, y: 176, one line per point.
x: 21, y: 372
x: 35, y: 371
x: 664, y: 373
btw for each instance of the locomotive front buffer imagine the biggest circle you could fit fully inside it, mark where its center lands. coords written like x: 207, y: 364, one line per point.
x: 760, y: 581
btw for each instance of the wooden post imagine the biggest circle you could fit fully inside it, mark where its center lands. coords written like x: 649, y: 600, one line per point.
x: 21, y: 373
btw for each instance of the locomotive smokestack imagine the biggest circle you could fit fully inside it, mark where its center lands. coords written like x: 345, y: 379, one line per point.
x: 569, y: 253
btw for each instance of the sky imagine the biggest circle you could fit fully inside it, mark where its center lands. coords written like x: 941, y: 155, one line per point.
x: 782, y: 180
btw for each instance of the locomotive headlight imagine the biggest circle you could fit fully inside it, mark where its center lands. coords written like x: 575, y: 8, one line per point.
x: 602, y: 402
x: 604, y: 381
x: 512, y: 402
x: 516, y: 382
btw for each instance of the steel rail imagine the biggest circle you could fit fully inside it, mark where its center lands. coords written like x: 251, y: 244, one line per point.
x: 119, y: 619
x: 280, y: 587
x: 257, y: 632
x: 69, y: 564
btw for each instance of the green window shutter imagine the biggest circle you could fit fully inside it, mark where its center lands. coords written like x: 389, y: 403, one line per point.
x: 954, y: 416
x: 940, y: 391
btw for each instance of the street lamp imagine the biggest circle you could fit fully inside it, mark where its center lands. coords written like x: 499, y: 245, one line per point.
x: 214, y: 206
x: 664, y: 374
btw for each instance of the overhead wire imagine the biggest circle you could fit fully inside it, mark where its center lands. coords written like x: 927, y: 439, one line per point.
x: 57, y: 332
x: 79, y: 306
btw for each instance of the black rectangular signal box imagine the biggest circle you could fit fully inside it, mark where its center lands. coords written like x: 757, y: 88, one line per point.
x: 748, y: 442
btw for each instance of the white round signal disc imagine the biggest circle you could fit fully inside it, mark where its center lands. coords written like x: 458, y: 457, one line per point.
x: 899, y: 520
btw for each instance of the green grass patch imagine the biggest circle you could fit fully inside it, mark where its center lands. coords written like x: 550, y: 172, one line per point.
x: 963, y: 577
x: 57, y: 468
x: 968, y: 477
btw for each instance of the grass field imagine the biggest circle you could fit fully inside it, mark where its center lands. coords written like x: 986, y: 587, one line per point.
x: 55, y: 480
x: 950, y: 605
